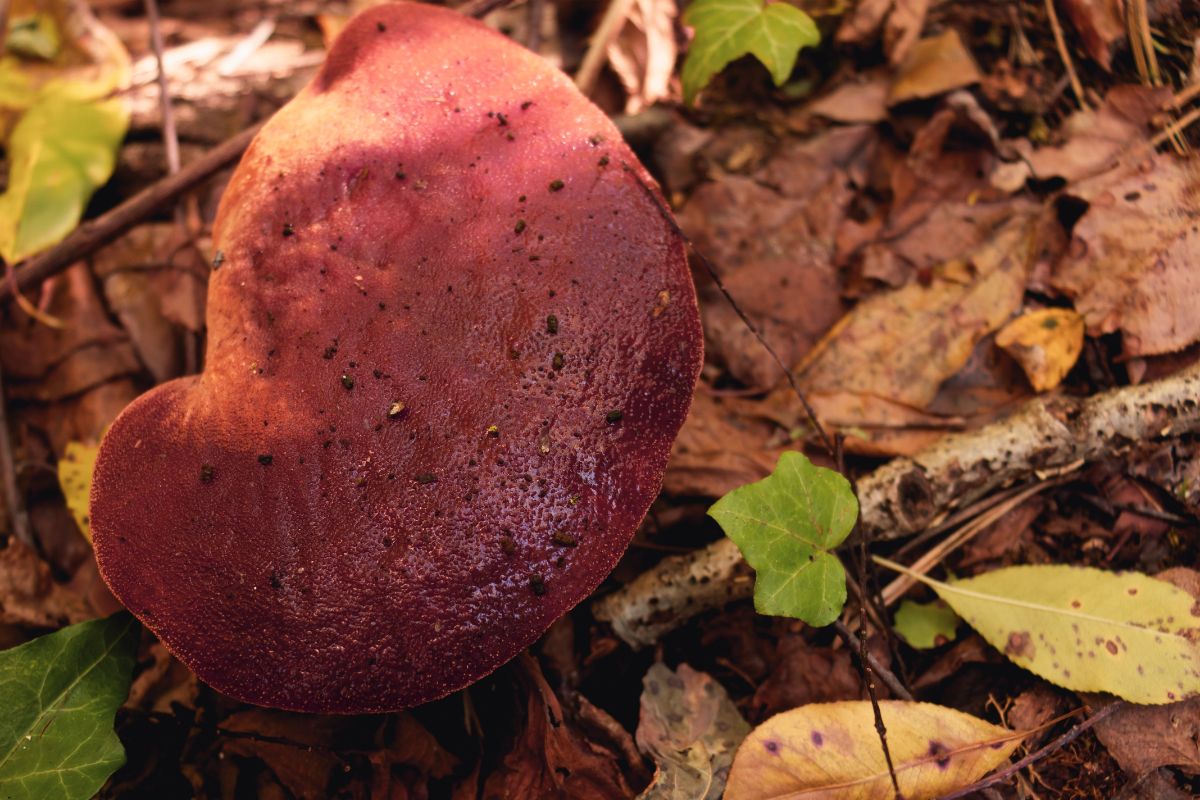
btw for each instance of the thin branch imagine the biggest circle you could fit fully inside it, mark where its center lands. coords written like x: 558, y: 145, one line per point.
x: 170, y: 137
x: 1065, y: 54
x: 98, y: 232
x: 8, y: 475
x: 1057, y: 744
x: 610, y: 24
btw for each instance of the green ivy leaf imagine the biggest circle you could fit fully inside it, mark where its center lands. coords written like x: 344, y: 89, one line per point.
x: 786, y: 525
x: 729, y: 29
x: 926, y: 625
x: 59, y: 695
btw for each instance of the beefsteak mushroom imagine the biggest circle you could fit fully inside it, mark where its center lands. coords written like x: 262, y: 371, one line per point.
x: 451, y: 338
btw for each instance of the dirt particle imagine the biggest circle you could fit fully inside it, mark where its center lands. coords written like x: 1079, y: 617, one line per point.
x: 508, y: 544
x: 288, y: 230
x: 218, y: 259
x: 265, y: 459
x: 520, y: 226
x: 614, y: 416
x: 565, y: 539
x: 395, y: 410
x: 552, y: 324
x: 557, y: 362
x: 206, y: 473
x: 493, y: 431
x: 425, y: 478
x: 347, y: 382
x: 538, y: 584
x: 556, y: 185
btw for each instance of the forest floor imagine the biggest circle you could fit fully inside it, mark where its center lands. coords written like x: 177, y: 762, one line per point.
x: 933, y: 221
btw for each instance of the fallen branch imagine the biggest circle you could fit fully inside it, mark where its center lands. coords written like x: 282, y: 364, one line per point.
x: 1047, y: 436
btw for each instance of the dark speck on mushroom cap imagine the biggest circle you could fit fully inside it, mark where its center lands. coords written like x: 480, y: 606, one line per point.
x: 336, y: 579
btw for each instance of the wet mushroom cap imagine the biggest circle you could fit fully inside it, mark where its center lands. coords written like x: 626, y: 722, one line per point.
x: 451, y: 339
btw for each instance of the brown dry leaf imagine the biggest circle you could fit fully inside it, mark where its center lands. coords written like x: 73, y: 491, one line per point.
x: 1131, y: 262
x: 164, y: 684
x: 718, y: 449
x: 1046, y: 343
x: 903, y: 28
x: 935, y: 65
x: 30, y: 596
x: 1100, y: 24
x: 861, y: 99
x: 551, y: 758
x: 901, y: 345
x: 155, y: 284
x: 643, y: 53
x: 1142, y: 738
x: 691, y: 729
x: 805, y: 673
x: 1094, y: 138
x: 45, y: 364
x: 771, y: 237
x: 80, y: 418
x: 407, y: 757
x: 305, y: 764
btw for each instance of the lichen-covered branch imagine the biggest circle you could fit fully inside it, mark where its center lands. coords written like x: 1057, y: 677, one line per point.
x: 908, y: 495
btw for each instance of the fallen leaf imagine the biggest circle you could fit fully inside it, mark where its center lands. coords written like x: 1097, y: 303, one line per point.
x: 1085, y: 629
x: 1100, y: 24
x: 926, y: 625
x: 550, y: 758
x: 408, y: 756
x: 718, y: 449
x: 643, y: 53
x: 828, y: 750
x: 903, y: 28
x: 68, y: 125
x: 29, y: 595
x: 1131, y: 262
x: 1046, y: 343
x: 691, y: 729
x: 804, y: 673
x: 786, y: 526
x: 861, y: 99
x: 726, y: 30
x: 1095, y: 137
x: 75, y: 478
x: 60, y: 694
x: 1142, y: 738
x: 935, y: 65
x: 301, y: 757
x: 902, y: 344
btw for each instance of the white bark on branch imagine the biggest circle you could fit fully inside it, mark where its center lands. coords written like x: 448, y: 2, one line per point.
x: 908, y: 495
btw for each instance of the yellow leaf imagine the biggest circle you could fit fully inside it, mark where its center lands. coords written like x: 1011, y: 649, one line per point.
x: 1046, y: 343
x: 75, y: 478
x: 62, y: 120
x: 1085, y: 629
x: 830, y: 750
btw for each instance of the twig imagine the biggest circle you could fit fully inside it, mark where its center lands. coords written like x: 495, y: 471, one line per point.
x: 1049, y: 436
x: 103, y: 229
x: 535, y: 12
x: 1065, y: 54
x: 170, y: 137
x: 1057, y: 744
x: 8, y: 472
x: 610, y: 24
x: 886, y: 675
x: 481, y: 8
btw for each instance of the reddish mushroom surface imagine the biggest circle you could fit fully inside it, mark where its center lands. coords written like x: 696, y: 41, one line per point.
x: 451, y: 338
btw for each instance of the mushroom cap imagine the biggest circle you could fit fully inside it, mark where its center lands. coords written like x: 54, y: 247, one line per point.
x: 451, y: 338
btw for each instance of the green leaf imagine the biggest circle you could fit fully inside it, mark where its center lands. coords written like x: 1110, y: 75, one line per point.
x: 786, y: 525
x: 59, y: 695
x: 729, y: 29
x: 60, y: 152
x: 1085, y: 629
x: 926, y: 625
